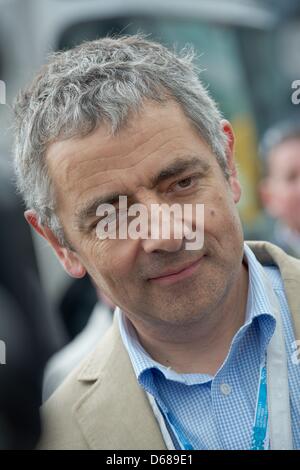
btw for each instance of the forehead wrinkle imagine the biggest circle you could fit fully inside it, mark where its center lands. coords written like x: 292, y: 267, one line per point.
x: 70, y: 168
x: 177, y: 165
x: 120, y: 168
x: 66, y: 161
x: 83, y: 181
x: 102, y: 183
x: 90, y: 188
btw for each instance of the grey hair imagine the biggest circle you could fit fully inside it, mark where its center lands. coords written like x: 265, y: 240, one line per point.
x: 96, y: 82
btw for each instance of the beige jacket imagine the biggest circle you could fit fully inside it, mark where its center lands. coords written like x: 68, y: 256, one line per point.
x: 101, y: 406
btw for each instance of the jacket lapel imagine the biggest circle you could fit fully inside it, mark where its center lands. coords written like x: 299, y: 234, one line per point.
x: 114, y: 412
x: 268, y: 253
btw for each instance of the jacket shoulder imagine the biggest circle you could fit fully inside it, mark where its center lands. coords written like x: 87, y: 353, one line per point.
x: 289, y: 267
x: 60, y: 428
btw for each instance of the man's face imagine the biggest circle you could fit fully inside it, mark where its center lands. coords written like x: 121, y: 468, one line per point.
x: 160, y: 141
x: 281, y: 191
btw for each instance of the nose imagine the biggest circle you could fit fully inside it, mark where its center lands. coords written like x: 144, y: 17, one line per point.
x: 164, y: 230
x: 151, y: 245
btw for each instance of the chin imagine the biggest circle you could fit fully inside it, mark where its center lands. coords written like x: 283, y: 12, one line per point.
x: 181, y: 315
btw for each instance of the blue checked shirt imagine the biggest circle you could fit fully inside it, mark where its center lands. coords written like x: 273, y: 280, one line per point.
x: 217, y: 412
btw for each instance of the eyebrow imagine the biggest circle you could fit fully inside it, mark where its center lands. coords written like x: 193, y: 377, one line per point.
x: 89, y: 210
x: 176, y: 168
x: 179, y: 166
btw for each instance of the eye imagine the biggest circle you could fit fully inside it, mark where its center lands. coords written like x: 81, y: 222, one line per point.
x: 185, y: 183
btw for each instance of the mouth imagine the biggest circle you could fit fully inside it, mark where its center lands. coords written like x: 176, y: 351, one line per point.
x: 170, y: 277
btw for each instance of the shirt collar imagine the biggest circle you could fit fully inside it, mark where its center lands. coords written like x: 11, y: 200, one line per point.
x: 258, y: 301
x: 258, y: 307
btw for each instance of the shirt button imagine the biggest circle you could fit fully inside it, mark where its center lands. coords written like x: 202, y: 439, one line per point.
x: 225, y: 389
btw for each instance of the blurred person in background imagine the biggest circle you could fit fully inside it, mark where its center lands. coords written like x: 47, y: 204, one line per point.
x: 198, y: 335
x: 76, y: 305
x: 280, y: 187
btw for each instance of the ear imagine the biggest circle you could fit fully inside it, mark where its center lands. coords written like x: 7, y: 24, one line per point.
x: 67, y: 257
x: 233, y: 179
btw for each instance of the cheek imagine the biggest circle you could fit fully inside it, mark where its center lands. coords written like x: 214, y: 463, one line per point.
x: 291, y: 203
x: 222, y: 223
x: 283, y: 200
x: 115, y: 272
x: 220, y: 214
x: 113, y: 259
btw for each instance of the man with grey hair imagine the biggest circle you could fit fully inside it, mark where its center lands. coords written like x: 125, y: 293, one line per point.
x: 203, y: 352
x: 280, y: 187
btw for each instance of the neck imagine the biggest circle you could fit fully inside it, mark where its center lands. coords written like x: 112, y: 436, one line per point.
x: 200, y: 347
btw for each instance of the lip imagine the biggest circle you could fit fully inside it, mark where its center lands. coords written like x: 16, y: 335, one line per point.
x: 171, y: 277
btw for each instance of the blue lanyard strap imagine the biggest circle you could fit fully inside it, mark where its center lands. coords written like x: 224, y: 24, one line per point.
x: 260, y: 430
x: 181, y: 437
x: 260, y: 434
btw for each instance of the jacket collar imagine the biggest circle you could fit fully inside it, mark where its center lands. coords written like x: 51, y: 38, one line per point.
x: 114, y: 412
x: 267, y: 253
